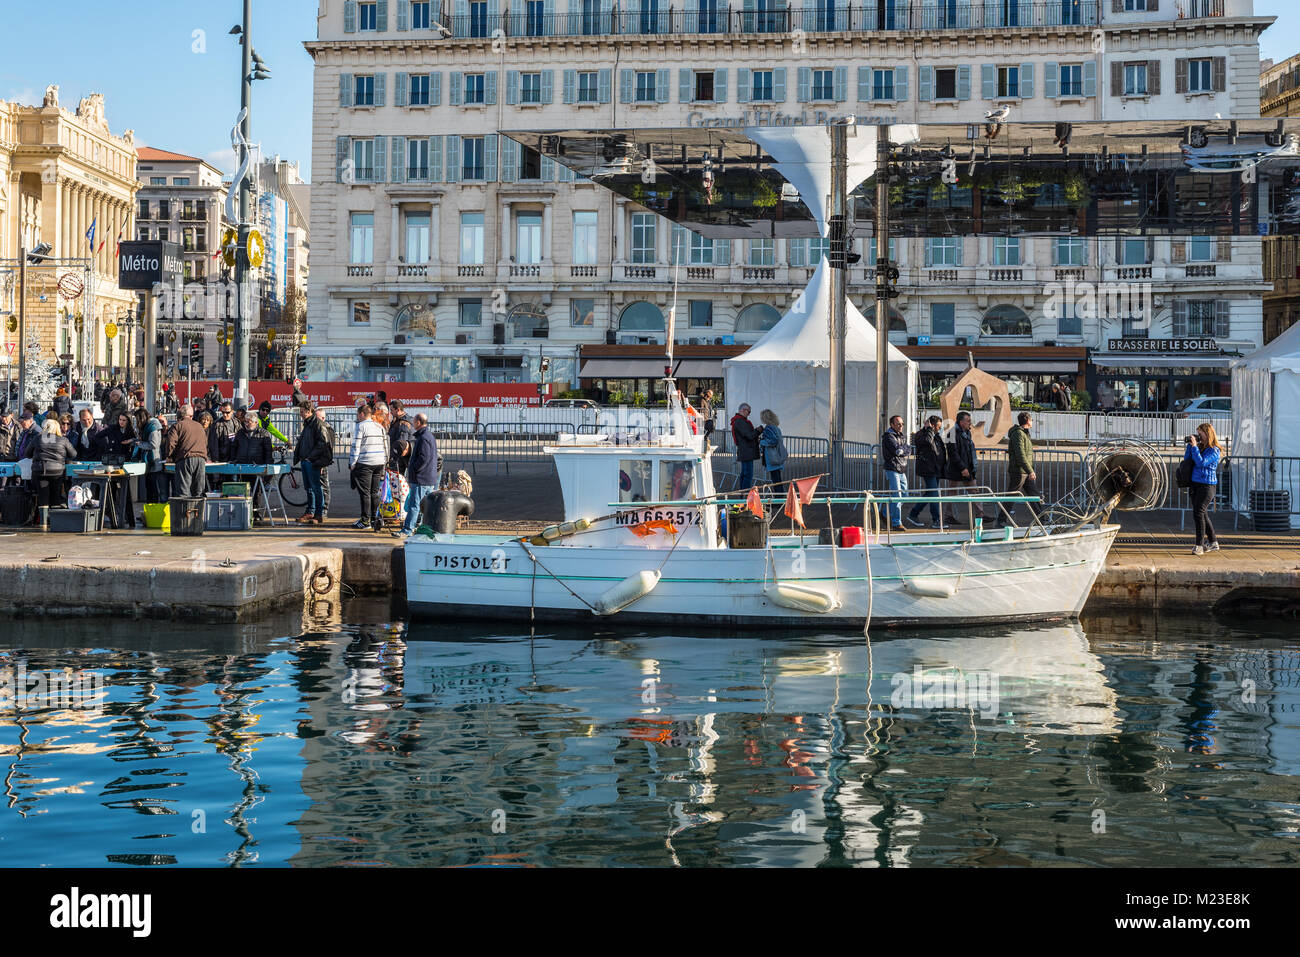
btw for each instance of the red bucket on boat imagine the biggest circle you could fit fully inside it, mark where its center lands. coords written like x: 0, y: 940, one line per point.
x: 850, y: 536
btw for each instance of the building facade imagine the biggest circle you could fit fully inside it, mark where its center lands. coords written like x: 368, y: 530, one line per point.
x: 60, y: 173
x: 1279, y: 95
x: 447, y: 252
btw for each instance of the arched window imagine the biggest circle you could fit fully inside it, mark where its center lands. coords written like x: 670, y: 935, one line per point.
x: 641, y: 317
x: 417, y: 320
x: 758, y: 317
x: 1006, y: 321
x: 529, y: 319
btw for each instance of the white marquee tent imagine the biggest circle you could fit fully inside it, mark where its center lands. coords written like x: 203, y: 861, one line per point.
x: 788, y: 371
x: 1266, y: 419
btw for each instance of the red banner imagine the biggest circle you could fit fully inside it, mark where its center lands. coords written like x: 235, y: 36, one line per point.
x: 470, y: 395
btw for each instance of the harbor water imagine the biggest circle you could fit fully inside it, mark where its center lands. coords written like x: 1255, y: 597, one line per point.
x: 364, y: 740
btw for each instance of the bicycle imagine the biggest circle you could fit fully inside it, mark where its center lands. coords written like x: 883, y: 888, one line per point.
x: 292, y: 488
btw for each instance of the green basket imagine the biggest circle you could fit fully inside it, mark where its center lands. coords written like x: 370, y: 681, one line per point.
x: 234, y: 490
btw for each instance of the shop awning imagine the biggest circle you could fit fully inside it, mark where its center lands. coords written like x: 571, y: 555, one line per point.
x: 1020, y: 366
x: 1138, y: 361
x: 625, y: 369
x: 699, y: 369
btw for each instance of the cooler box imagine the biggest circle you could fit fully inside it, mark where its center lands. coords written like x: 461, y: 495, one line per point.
x: 228, y: 514
x: 74, y: 520
x: 157, y: 516
x: 234, y: 490
x: 186, y: 515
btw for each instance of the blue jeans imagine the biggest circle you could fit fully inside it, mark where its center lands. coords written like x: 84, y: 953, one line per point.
x: 897, y: 482
x: 931, y: 484
x: 413, y: 499
x: 315, y: 495
x: 746, y: 476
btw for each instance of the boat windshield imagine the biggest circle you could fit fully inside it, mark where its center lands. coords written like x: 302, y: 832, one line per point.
x: 676, y: 480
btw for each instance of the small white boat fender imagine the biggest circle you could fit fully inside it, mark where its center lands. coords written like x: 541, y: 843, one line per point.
x: 801, y: 598
x: 630, y: 589
x: 930, y: 587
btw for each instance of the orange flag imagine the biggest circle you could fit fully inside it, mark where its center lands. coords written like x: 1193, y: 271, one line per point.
x: 792, y: 509
x: 807, y: 488
x: 755, y: 502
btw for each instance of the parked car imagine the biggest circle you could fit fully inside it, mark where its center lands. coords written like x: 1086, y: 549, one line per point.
x: 572, y: 404
x: 1203, y: 405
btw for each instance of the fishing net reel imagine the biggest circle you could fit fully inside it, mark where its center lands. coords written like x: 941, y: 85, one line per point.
x: 1124, y: 474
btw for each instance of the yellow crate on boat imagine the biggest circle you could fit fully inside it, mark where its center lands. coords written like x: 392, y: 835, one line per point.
x: 158, y: 516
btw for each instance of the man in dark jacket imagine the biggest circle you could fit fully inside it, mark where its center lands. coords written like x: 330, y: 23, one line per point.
x: 62, y: 404
x: 894, y: 452
x: 314, y: 454
x: 745, y: 436
x: 28, y: 433
x: 400, y: 431
x: 1021, y: 476
x: 252, y: 444
x: 962, y: 461
x: 186, y: 445
x: 115, y: 406
x: 931, y: 464
x: 85, y: 435
x: 224, y: 429
x: 421, y: 473
x: 8, y: 437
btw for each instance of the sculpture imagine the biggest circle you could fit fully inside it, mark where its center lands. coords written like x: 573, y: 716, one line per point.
x: 985, y: 389
x: 51, y: 96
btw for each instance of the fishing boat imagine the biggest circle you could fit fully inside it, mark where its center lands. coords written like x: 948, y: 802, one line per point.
x: 644, y: 542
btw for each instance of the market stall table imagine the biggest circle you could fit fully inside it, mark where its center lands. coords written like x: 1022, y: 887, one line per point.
x: 105, y: 478
x: 259, y: 475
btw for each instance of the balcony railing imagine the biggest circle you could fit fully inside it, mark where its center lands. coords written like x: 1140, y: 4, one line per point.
x: 413, y: 271
x: 758, y: 272
x: 656, y: 19
x: 699, y: 272
x: 1202, y: 270
x: 525, y: 270
x: 1133, y: 272
x: 361, y: 271
x: 583, y: 272
x: 638, y: 272
x: 469, y: 271
x: 1066, y: 273
x: 1006, y: 275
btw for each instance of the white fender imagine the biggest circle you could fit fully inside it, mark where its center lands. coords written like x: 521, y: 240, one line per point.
x: 801, y: 598
x: 617, y: 597
x: 930, y: 587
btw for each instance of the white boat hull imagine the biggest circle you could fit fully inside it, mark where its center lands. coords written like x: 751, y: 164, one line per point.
x: 923, y: 579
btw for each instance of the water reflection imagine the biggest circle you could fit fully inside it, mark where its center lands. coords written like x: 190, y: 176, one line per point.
x: 387, y: 744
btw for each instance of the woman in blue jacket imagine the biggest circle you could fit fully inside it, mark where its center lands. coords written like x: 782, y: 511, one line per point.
x: 1205, y: 452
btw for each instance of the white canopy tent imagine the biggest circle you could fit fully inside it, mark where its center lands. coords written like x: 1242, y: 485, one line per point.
x: 788, y: 371
x: 1266, y: 420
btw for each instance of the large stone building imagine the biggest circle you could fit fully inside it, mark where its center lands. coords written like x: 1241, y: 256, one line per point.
x: 61, y: 171
x: 1279, y: 95
x: 446, y: 252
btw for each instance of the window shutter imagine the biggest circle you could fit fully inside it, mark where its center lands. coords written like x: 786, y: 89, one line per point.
x: 381, y: 16
x: 929, y: 253
x: 778, y: 85
x: 1090, y: 78
x: 456, y: 92
x: 453, y: 159
x: 1180, y: 75
x: 548, y: 169
x: 684, y: 91
x: 1116, y: 78
x: 1153, y: 6
x: 435, y: 89
x: 900, y: 84
x: 1219, y: 67
x: 963, y: 82
x: 435, y: 159
x: 381, y: 160
x: 461, y: 13
x: 719, y: 86
x: 798, y: 249
x: 512, y: 87
x: 401, y: 95
x: 924, y: 84
x: 1153, y: 77
x: 490, y: 157
x: 1116, y: 6
x: 575, y: 18
x: 1051, y: 80
x: 342, y: 153
x: 548, y: 86
x: 722, y: 252
x: 805, y: 84
x: 662, y: 79
x: 961, y: 246
x: 346, y: 81
x: 403, y: 14
x: 570, y: 86
x: 399, y: 160
x: 380, y: 81
x: 864, y: 84
x: 1026, y: 80
x: 1222, y: 319
x: 1180, y: 319
x: 603, y: 83
x: 509, y: 161
x: 744, y: 84
x: 350, y: 16
x: 1224, y: 251
x: 490, y: 93
x: 626, y: 85
x: 988, y: 81
x: 840, y: 83
x: 1178, y: 250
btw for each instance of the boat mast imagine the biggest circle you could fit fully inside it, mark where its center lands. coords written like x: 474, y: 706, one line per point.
x: 840, y: 233
x: 883, y: 266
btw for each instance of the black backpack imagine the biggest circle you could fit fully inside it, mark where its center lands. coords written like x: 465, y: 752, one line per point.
x: 1183, y: 474
x: 328, y: 435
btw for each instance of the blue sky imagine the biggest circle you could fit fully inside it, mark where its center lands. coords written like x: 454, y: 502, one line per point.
x: 139, y: 54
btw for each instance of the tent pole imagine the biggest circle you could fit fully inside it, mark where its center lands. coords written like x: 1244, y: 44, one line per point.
x: 882, y: 280
x: 839, y: 245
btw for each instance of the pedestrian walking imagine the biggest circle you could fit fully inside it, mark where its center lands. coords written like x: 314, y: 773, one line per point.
x: 421, y: 473
x: 1205, y: 452
x: 894, y: 453
x: 1021, y: 477
x: 745, y: 437
x: 369, y: 456
x: 772, y: 444
x: 963, y: 464
x: 931, y: 465
x: 186, y: 445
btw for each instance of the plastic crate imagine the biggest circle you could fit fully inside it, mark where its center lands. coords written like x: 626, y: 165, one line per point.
x: 74, y: 520
x: 157, y: 516
x: 746, y: 530
x: 17, y: 506
x: 235, y: 490
x: 186, y: 515
x: 228, y: 514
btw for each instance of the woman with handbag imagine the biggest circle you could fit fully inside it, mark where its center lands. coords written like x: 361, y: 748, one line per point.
x: 369, y: 456
x: 1205, y: 453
